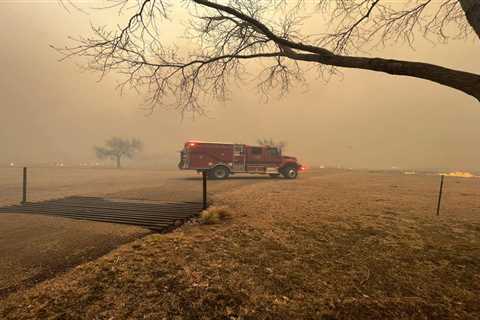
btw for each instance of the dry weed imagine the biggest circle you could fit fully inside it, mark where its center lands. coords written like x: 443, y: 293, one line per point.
x: 214, y: 215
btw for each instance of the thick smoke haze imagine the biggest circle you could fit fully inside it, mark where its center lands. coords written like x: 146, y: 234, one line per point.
x: 52, y: 111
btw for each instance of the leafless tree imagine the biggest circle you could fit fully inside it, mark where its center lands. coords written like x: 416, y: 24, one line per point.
x: 225, y: 35
x: 118, y: 148
x: 280, y: 145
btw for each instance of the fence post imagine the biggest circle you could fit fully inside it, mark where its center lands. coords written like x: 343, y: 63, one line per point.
x: 24, y: 191
x: 204, y: 175
x: 440, y: 195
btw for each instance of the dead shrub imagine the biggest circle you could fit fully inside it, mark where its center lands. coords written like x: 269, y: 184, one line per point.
x: 214, y: 215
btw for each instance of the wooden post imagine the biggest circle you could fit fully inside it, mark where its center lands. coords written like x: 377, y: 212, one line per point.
x: 204, y: 174
x: 24, y: 195
x: 440, y: 195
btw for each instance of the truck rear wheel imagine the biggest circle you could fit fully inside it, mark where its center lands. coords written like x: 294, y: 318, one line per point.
x: 219, y: 172
x: 290, y: 172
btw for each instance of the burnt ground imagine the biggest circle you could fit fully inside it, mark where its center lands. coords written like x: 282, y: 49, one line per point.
x: 34, y: 248
x: 354, y: 245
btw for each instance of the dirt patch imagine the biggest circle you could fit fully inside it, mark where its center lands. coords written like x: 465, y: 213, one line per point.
x: 34, y: 248
x: 349, y: 246
x: 52, y: 183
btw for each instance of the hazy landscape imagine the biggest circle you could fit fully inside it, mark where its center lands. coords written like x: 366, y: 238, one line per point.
x: 240, y: 160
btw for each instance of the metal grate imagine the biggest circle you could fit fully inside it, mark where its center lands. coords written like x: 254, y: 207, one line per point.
x: 158, y: 216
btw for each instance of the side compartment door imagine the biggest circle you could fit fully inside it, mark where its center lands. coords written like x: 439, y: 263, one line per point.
x: 239, y: 158
x: 256, y: 160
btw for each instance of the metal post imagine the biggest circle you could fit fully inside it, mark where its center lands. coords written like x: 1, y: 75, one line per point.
x: 440, y: 195
x: 24, y: 197
x: 204, y: 174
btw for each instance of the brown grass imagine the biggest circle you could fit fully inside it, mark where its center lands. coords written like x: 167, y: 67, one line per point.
x: 214, y: 215
x: 346, y: 246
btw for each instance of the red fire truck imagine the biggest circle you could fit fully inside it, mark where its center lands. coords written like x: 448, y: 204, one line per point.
x: 223, y: 159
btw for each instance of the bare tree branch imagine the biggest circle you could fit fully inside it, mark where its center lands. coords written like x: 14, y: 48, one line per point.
x: 225, y: 35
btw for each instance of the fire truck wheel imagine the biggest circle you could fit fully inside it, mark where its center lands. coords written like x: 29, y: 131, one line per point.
x: 290, y: 172
x: 220, y: 172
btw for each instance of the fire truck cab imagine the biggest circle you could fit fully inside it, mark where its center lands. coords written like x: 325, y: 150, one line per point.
x: 223, y: 159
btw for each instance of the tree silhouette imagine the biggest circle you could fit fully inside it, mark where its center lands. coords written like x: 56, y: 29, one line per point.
x: 225, y: 35
x: 118, y: 148
x: 272, y: 143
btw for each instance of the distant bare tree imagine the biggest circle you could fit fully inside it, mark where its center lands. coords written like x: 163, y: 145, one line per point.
x: 224, y: 35
x: 272, y: 143
x: 118, y: 148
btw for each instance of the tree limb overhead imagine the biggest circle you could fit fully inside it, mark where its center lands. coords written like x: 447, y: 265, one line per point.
x: 226, y: 38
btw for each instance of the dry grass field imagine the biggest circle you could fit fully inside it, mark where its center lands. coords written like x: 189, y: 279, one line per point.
x: 343, y: 245
x: 37, y: 247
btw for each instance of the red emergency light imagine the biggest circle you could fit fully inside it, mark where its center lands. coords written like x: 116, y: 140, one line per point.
x: 304, y: 167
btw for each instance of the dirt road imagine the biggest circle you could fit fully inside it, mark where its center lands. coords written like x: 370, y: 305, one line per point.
x: 48, y: 183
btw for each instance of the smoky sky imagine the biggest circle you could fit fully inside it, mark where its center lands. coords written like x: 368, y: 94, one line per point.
x: 53, y: 111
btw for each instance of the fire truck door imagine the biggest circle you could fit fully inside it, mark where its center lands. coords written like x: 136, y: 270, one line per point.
x: 238, y: 157
x: 273, y: 156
